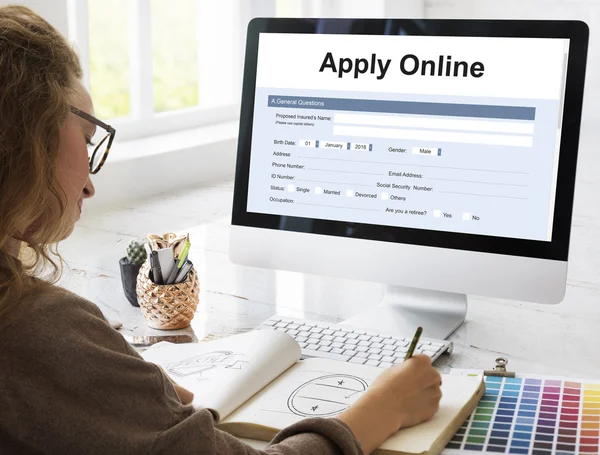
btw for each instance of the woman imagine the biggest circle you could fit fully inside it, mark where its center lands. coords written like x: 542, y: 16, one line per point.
x: 69, y: 383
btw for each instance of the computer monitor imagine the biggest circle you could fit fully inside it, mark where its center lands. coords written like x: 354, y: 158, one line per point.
x: 436, y: 156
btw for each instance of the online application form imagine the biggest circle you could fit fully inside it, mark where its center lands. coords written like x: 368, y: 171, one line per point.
x: 457, y: 134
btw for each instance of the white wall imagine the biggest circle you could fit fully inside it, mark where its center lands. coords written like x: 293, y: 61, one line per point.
x: 586, y: 10
x: 54, y: 11
x: 375, y: 8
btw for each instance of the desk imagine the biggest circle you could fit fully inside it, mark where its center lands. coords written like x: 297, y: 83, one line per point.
x: 562, y: 339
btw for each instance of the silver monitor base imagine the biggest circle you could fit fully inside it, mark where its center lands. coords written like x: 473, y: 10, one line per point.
x: 404, y: 309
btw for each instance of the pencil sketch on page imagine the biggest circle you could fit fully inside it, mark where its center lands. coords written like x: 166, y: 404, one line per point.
x: 326, y: 396
x: 201, y: 364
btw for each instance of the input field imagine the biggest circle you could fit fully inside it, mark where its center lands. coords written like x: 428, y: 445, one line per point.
x: 429, y: 136
x: 524, y: 127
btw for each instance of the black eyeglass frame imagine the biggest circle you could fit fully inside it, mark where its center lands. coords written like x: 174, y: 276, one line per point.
x: 110, y: 136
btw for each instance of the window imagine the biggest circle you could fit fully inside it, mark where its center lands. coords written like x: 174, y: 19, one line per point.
x: 109, y: 49
x: 174, y: 54
x: 156, y: 66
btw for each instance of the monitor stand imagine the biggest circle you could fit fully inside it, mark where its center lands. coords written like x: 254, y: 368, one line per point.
x: 404, y: 309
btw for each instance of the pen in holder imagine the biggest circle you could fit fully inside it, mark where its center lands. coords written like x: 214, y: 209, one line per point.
x: 167, y: 306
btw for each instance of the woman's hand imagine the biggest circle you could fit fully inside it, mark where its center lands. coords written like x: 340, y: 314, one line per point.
x: 185, y: 396
x: 400, y: 397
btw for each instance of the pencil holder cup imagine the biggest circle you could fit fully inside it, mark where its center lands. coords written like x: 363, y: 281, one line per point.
x: 167, y: 306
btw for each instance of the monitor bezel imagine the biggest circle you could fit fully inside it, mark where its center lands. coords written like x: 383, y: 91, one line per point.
x: 557, y: 249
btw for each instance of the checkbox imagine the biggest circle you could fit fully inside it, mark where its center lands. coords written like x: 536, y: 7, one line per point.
x: 437, y: 213
x: 385, y: 196
x: 349, y: 193
x: 466, y: 216
x: 318, y: 190
x: 291, y: 188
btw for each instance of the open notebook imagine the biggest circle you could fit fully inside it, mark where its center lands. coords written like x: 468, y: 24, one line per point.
x: 255, y: 384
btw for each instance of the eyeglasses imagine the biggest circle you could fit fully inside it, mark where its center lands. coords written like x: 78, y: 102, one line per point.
x: 99, y: 152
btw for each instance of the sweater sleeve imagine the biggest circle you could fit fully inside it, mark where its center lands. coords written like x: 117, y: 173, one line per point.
x: 73, y: 385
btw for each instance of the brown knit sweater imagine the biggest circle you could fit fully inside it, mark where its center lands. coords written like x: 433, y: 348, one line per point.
x: 70, y: 384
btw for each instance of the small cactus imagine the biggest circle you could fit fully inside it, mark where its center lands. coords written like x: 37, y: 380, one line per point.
x: 136, y: 251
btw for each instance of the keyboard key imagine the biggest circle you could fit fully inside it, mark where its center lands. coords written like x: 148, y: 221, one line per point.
x: 326, y: 355
x: 362, y: 355
x: 316, y: 329
x: 357, y: 360
x: 281, y: 324
x: 364, y: 343
x: 364, y: 338
x: 352, y: 336
x: 340, y: 333
x: 352, y: 342
x: 339, y: 339
x: 292, y: 332
x: 325, y: 343
x: 312, y: 346
x: 337, y: 350
x: 300, y: 339
x: 388, y: 341
x: 361, y: 348
x: 293, y: 326
x: 303, y: 334
x: 324, y: 348
x: 328, y: 332
x: 372, y: 363
x: 387, y: 352
x: 302, y: 344
x: 375, y: 357
x: 337, y: 344
x: 398, y: 361
x: 350, y: 352
x: 270, y: 322
x: 313, y: 341
x: 385, y: 365
x: 377, y: 345
x: 374, y: 351
x: 328, y: 337
x: 388, y: 358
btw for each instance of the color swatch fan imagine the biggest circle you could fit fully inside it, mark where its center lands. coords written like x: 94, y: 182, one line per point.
x: 532, y: 415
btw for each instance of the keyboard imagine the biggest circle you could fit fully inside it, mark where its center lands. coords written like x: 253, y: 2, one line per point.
x: 347, y: 344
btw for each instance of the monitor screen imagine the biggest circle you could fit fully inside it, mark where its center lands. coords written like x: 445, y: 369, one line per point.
x: 440, y: 133
x: 454, y: 134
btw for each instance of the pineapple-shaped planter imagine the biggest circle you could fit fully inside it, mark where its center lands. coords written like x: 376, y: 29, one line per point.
x: 168, y: 306
x: 130, y: 268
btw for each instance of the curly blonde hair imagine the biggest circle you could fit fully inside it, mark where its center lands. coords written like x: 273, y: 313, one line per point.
x: 39, y: 72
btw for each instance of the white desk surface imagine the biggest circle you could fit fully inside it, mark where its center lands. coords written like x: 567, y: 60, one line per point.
x: 563, y: 339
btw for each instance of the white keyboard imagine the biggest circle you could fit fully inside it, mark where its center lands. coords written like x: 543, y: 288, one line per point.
x: 346, y: 344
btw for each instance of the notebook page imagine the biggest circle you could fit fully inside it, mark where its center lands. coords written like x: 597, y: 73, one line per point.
x: 323, y: 388
x: 225, y: 373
